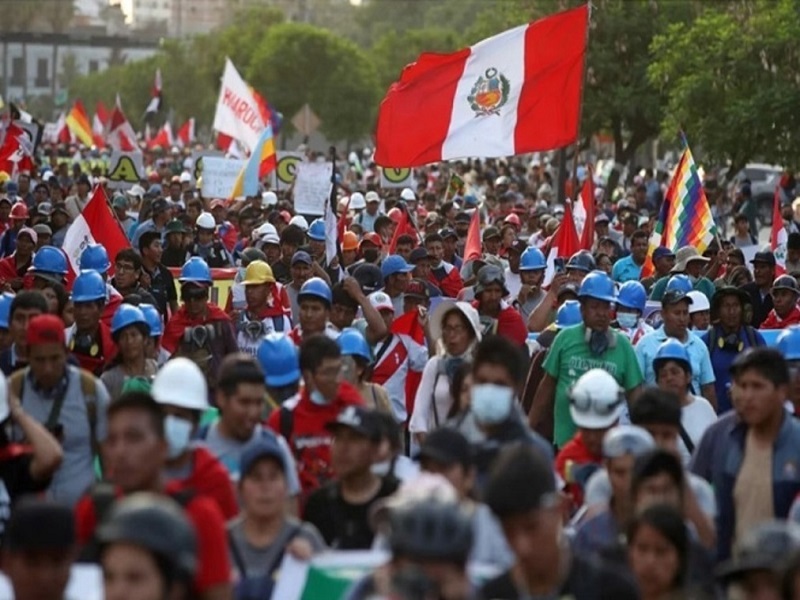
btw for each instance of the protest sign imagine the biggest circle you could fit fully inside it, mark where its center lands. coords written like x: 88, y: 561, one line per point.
x: 196, y: 162
x: 312, y: 187
x: 397, y: 178
x: 125, y: 169
x: 237, y: 114
x: 286, y: 169
x: 219, y: 175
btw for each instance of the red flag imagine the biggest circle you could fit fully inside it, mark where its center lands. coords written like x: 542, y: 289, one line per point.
x: 155, y: 100
x: 587, y: 195
x: 185, y: 134
x: 121, y: 135
x: 224, y: 141
x: 514, y: 93
x: 472, y: 247
x: 16, y: 152
x: 564, y: 243
x: 404, y: 227
x: 163, y: 138
x: 408, y: 324
x: 101, y: 112
x: 95, y: 225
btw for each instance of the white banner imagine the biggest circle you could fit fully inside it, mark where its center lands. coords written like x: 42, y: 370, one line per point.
x: 195, y: 162
x: 286, y: 169
x: 237, y: 112
x: 219, y: 175
x: 312, y: 188
x: 125, y: 169
x: 397, y: 178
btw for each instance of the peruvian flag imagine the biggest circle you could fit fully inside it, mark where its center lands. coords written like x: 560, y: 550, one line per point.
x: 16, y: 150
x: 778, y: 238
x: 95, y: 225
x: 155, y: 99
x: 565, y: 242
x: 99, y: 122
x: 584, y: 213
x: 185, y: 135
x: 514, y: 93
x: 163, y: 138
x: 121, y: 135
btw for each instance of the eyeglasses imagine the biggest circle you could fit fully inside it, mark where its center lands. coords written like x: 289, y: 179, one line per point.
x: 124, y: 268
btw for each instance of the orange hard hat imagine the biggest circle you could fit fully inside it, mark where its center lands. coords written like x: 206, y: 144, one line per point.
x: 19, y: 211
x: 350, y: 241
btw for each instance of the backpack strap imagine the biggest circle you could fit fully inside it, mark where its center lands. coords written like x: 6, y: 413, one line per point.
x: 202, y: 432
x: 277, y: 323
x: 237, y: 556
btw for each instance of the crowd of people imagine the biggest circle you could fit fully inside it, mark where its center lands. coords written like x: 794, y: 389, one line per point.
x: 496, y: 424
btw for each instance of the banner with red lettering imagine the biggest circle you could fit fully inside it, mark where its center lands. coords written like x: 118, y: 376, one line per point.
x: 238, y: 115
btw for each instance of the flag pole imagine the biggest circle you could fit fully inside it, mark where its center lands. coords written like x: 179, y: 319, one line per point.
x: 575, y: 189
x: 332, y: 204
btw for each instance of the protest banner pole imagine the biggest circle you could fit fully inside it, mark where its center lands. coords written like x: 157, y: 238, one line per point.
x: 576, y: 189
x: 332, y: 206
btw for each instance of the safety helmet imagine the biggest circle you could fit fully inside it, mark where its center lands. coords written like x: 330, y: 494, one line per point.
x: 679, y: 283
x: 95, y: 258
x: 632, y: 295
x: 195, y: 270
x: 512, y: 219
x: 699, y: 303
x: 353, y: 343
x: 786, y: 282
x: 266, y: 234
x: 19, y: 211
x: 128, y: 314
x: 269, y: 199
x: 789, y: 343
x: 597, y: 285
x: 357, y: 201
x: 299, y: 221
x: 49, y: 259
x: 569, y: 314
x: 623, y: 440
x: 395, y: 214
x: 88, y: 287
x: 257, y: 273
x: 394, y: 264
x: 368, y: 277
x: 205, y: 221
x: 430, y: 528
x: 371, y: 238
x: 380, y: 301
x: 181, y: 383
x: 153, y: 318
x: 251, y: 254
x: 349, y: 241
x: 532, y: 260
x: 156, y: 523
x: 672, y: 349
x: 280, y: 360
x: 316, y: 231
x: 408, y: 195
x: 582, y: 260
x: 595, y: 400
x: 5, y: 309
x: 316, y: 288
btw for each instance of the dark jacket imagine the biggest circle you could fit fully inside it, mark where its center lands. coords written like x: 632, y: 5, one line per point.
x: 761, y: 306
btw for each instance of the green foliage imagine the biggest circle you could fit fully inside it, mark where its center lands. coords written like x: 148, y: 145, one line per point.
x: 732, y: 81
x: 394, y: 50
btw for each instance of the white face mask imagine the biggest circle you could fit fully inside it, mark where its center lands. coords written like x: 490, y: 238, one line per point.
x: 178, y: 432
x: 491, y: 404
x: 317, y: 398
x: 627, y: 320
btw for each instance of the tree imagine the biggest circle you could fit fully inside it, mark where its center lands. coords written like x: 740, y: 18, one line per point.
x: 299, y: 64
x: 394, y: 50
x: 737, y: 98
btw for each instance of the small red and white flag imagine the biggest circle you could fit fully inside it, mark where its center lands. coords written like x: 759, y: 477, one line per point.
x: 95, y: 225
x: 778, y: 237
x: 185, y: 135
x: 516, y: 92
x: 163, y: 138
x: 155, y: 99
x: 564, y: 243
x: 121, y: 135
x: 99, y: 122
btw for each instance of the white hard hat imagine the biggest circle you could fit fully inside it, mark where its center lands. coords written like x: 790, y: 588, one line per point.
x: 185, y: 177
x: 596, y: 400
x: 408, y: 195
x: 357, y: 201
x: 699, y: 302
x: 5, y: 410
x: 205, y: 221
x: 180, y: 382
x: 372, y: 196
x: 299, y: 221
x: 269, y: 199
x: 266, y: 234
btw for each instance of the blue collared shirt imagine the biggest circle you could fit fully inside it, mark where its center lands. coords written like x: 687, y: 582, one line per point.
x: 702, y: 372
x: 626, y: 270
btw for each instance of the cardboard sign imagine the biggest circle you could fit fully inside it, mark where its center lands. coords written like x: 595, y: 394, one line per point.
x: 125, y: 169
x: 397, y: 178
x: 312, y: 188
x: 219, y: 175
x: 286, y: 169
x: 196, y: 162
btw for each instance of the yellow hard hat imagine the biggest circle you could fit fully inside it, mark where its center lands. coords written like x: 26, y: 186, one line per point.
x: 4, y: 177
x: 257, y: 273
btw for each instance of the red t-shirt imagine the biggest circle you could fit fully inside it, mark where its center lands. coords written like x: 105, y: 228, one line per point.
x: 309, y: 440
x: 573, y: 455
x: 213, y: 567
x: 210, y: 478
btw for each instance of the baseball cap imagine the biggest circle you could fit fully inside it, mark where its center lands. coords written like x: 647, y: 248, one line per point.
x: 783, y: 282
x: 372, y: 196
x: 601, y: 218
x: 45, y: 329
x: 44, y: 209
x: 419, y: 253
x: 38, y: 524
x: 359, y: 419
x: 568, y: 288
x: 84, y: 179
x: 263, y: 447
x: 119, y: 201
x: 417, y: 289
x: 160, y: 205
x: 448, y: 447
x: 447, y: 232
x: 662, y: 252
x: 31, y: 233
x: 675, y: 296
x: 395, y: 264
x: 301, y: 256
x: 462, y: 217
x: 381, y: 301
x: 764, y: 257
x: 175, y: 226
x: 42, y: 229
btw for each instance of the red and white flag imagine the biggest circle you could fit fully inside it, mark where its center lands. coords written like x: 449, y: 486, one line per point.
x: 163, y: 138
x: 778, y: 237
x: 516, y: 92
x: 155, y: 99
x: 565, y: 242
x: 238, y: 114
x: 185, y: 135
x: 16, y: 150
x: 584, y: 213
x: 99, y: 122
x: 95, y: 225
x: 121, y: 135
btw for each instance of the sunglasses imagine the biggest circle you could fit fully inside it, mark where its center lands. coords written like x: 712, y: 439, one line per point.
x: 194, y: 293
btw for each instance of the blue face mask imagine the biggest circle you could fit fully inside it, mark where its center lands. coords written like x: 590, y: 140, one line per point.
x: 491, y: 404
x: 627, y: 320
x: 317, y: 398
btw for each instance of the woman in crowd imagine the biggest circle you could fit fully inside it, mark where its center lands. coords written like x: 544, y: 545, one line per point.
x: 658, y: 546
x: 130, y: 331
x: 459, y: 416
x: 357, y: 359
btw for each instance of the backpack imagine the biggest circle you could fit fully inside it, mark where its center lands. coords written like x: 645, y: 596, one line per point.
x: 258, y: 588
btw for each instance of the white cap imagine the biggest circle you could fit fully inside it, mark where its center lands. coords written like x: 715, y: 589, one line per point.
x: 269, y: 198
x: 136, y: 191
x: 699, y: 302
x: 381, y: 301
x: 357, y: 201
x: 408, y: 195
x: 299, y: 221
x: 205, y: 221
x: 185, y: 177
x: 372, y: 196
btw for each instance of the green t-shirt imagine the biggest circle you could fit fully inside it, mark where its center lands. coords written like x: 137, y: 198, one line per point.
x: 569, y: 357
x: 703, y: 285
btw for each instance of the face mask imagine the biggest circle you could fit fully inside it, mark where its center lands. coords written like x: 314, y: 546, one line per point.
x: 381, y: 469
x: 490, y: 403
x: 627, y: 320
x: 317, y: 398
x: 701, y: 331
x: 371, y: 255
x: 178, y: 432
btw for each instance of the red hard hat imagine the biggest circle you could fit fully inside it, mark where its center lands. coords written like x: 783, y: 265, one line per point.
x: 19, y: 211
x: 373, y: 238
x: 513, y: 219
x: 395, y: 215
x: 154, y: 177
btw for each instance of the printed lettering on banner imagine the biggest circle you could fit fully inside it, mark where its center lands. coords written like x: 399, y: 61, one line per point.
x: 219, y: 176
x: 312, y: 188
x: 237, y: 113
x: 397, y: 178
x: 196, y: 169
x: 125, y: 169
x: 287, y: 169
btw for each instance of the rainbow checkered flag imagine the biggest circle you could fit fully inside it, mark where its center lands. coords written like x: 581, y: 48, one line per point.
x: 689, y: 222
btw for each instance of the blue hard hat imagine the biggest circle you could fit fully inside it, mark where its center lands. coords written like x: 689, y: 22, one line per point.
x: 49, y: 259
x: 316, y: 231
x: 88, y: 287
x: 395, y: 264
x: 316, y: 288
x: 125, y: 315
x: 788, y: 343
x: 672, y: 349
x: 353, y: 343
x: 532, y: 260
x: 632, y: 295
x: 569, y: 314
x: 597, y: 285
x: 582, y: 260
x: 280, y: 360
x: 95, y: 258
x: 195, y: 270
x: 5, y: 309
x: 680, y: 283
x: 153, y: 318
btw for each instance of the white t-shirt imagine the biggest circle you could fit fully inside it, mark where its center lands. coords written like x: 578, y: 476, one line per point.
x: 696, y: 417
x: 513, y: 283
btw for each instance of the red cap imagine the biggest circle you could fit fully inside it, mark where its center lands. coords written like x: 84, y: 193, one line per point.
x: 216, y: 204
x: 285, y: 215
x: 45, y: 329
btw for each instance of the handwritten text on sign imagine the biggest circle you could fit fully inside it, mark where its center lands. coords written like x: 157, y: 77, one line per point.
x: 219, y: 175
x: 312, y: 187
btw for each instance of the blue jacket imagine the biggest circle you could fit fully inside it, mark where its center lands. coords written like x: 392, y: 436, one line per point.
x: 718, y: 459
